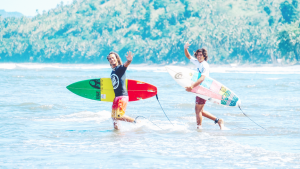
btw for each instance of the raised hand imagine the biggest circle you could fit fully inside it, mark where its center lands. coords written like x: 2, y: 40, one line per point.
x: 186, y: 46
x: 129, y: 56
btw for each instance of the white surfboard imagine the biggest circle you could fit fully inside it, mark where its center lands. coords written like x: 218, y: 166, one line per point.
x: 209, y: 89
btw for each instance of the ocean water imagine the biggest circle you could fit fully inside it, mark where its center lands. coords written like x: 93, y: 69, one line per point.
x: 43, y: 125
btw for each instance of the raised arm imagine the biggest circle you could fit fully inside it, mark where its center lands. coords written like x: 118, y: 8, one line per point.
x: 129, y: 57
x: 186, y: 52
x: 198, y: 82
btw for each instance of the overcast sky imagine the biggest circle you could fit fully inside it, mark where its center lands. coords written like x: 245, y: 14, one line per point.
x: 29, y: 7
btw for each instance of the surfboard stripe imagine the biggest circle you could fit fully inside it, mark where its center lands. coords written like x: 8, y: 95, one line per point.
x: 107, y: 90
x: 222, y: 90
x: 234, y: 101
x: 206, y: 92
x: 145, y: 90
x: 215, y: 87
x: 196, y: 76
x: 86, y: 88
x: 207, y: 82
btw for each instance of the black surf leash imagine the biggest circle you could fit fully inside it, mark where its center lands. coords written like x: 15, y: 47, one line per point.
x: 147, y: 119
x: 163, y: 110
x: 250, y: 119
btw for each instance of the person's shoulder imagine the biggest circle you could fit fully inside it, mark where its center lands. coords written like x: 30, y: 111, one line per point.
x: 192, y: 59
x: 205, y: 63
x: 120, y: 66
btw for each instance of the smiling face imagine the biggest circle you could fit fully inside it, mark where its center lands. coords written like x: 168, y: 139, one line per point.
x: 112, y: 59
x: 200, y: 57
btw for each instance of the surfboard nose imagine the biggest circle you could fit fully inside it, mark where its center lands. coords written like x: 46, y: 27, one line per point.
x: 179, y: 75
x: 170, y: 70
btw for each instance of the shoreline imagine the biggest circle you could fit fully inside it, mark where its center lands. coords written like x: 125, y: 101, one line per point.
x: 262, y: 68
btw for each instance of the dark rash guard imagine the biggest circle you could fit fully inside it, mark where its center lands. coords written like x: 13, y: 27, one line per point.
x: 118, y: 77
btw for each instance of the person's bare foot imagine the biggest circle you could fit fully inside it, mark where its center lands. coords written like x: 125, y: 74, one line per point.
x: 221, y: 124
x: 116, y: 125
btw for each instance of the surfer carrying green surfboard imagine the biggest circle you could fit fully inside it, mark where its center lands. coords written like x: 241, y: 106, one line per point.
x: 203, y: 68
x: 118, y: 77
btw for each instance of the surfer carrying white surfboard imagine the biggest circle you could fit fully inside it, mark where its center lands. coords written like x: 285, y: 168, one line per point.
x: 203, y: 68
x: 118, y: 77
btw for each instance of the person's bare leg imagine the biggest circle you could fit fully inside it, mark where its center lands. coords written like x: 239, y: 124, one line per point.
x: 208, y: 115
x: 212, y: 117
x: 198, y: 111
x: 123, y: 118
x: 126, y: 118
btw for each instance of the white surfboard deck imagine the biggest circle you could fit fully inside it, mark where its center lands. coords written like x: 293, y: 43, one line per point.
x: 210, y: 89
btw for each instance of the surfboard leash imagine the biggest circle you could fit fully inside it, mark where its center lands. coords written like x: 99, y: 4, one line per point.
x: 148, y: 120
x: 250, y: 118
x: 163, y: 110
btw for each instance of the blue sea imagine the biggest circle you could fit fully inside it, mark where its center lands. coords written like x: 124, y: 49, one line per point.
x: 43, y: 125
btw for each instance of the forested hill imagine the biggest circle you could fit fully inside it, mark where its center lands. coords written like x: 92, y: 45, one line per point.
x: 243, y: 31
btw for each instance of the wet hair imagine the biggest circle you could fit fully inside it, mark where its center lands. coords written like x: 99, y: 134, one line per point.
x: 117, y: 57
x: 204, y: 53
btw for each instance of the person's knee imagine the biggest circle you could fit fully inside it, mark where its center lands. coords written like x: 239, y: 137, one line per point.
x: 198, y: 112
x: 117, y: 114
x: 198, y: 108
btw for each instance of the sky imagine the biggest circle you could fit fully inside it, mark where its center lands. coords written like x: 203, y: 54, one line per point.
x: 29, y: 7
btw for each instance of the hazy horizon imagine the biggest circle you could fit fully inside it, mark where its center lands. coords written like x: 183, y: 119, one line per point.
x: 29, y: 7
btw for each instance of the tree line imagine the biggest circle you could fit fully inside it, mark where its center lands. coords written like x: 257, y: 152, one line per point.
x: 233, y: 31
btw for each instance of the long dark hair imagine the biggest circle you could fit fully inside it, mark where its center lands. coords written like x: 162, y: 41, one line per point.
x: 204, y: 53
x: 117, y: 57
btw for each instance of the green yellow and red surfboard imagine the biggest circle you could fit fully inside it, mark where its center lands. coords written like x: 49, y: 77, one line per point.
x: 102, y: 90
